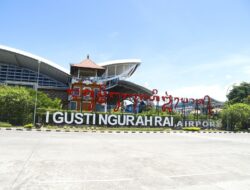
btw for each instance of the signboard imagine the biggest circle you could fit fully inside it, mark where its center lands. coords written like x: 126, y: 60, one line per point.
x: 99, y: 95
x: 120, y: 120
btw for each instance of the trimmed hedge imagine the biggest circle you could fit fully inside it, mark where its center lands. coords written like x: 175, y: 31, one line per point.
x: 5, y: 124
x: 191, y: 128
x: 28, y: 126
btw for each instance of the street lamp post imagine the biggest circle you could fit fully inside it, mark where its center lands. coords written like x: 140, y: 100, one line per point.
x: 37, y: 84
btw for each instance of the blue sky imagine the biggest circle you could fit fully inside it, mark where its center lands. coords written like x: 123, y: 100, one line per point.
x: 188, y: 48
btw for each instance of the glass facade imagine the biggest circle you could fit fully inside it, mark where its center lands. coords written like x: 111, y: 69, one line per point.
x: 19, y: 74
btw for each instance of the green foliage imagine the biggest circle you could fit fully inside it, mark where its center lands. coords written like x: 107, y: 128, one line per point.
x: 247, y: 100
x: 17, y: 104
x: 177, y: 117
x: 195, y: 117
x: 236, y: 117
x: 236, y: 114
x: 28, y: 126
x: 191, y: 128
x: 150, y: 111
x: 5, y: 124
x: 240, y: 94
x: 43, y: 101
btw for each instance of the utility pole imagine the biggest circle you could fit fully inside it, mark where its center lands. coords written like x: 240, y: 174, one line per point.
x: 37, y: 84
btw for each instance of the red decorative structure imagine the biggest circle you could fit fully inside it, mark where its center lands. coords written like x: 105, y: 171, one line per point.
x: 169, y: 101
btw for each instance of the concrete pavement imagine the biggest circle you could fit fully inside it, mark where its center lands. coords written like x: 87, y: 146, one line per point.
x: 31, y: 160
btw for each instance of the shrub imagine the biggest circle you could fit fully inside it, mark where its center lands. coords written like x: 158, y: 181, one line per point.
x: 28, y: 126
x: 17, y: 104
x: 5, y: 124
x: 236, y: 117
x: 191, y: 128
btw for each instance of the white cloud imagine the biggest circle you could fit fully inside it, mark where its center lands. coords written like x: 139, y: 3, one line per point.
x: 233, y: 61
x: 198, y: 80
x: 199, y: 91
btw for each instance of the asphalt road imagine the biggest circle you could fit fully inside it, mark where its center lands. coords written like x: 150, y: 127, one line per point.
x: 93, y: 161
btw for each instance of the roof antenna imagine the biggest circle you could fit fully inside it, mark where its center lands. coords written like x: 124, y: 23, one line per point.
x: 87, y: 56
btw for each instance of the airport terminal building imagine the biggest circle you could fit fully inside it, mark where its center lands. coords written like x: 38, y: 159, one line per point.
x: 21, y: 68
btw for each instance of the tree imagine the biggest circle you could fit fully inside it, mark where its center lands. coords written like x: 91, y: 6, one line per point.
x: 43, y: 101
x: 17, y: 104
x: 236, y: 117
x: 247, y: 100
x: 240, y: 94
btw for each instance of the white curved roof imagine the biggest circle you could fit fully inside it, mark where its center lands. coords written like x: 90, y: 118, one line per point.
x: 122, y: 68
x: 27, y: 60
x: 120, y: 61
x: 27, y: 54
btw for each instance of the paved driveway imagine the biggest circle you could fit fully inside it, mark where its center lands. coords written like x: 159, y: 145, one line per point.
x: 92, y: 161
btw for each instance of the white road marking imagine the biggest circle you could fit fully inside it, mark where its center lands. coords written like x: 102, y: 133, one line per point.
x: 84, y: 181
x: 124, y: 179
x: 197, y: 174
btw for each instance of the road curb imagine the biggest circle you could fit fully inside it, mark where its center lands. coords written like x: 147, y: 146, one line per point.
x: 116, y: 131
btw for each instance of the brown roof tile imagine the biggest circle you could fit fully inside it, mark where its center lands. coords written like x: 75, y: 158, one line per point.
x: 88, y: 63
